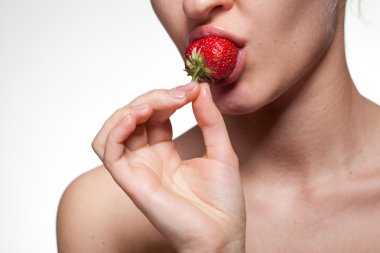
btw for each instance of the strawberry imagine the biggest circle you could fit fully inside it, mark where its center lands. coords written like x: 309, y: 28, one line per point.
x: 210, y: 59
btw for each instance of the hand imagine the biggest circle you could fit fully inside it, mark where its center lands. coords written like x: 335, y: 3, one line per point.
x: 197, y: 204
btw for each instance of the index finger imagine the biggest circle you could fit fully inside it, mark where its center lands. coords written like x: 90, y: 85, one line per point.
x: 155, y: 106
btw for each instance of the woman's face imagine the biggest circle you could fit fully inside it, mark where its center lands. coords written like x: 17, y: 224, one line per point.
x: 279, y: 41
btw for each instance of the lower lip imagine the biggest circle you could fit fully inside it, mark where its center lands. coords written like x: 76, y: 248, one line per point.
x: 236, y: 72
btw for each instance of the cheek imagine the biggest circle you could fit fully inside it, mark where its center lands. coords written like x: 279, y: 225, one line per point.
x: 281, y: 50
x: 299, y: 37
x: 173, y: 19
x: 292, y: 30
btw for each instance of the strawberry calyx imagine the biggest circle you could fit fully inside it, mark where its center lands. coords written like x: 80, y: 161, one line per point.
x: 196, y: 67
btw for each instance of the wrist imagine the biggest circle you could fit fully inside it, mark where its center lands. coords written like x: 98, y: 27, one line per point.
x: 236, y: 246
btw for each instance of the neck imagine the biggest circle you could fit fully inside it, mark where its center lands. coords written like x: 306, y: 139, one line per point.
x: 311, y: 130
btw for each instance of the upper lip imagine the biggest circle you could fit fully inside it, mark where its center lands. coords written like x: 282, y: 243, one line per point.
x: 208, y: 30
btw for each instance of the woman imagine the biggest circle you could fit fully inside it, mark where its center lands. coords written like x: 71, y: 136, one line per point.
x: 285, y: 157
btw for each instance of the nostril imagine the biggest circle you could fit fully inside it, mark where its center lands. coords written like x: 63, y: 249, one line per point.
x: 216, y: 9
x: 196, y: 9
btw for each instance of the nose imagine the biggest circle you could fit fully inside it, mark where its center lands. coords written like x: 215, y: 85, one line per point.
x: 200, y: 9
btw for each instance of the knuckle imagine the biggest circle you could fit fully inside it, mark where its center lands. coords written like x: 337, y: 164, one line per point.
x: 234, y: 159
x: 95, y: 144
x: 211, y: 126
x: 120, y: 112
x: 107, y: 161
x: 97, y: 149
x: 156, y: 92
x: 148, y: 96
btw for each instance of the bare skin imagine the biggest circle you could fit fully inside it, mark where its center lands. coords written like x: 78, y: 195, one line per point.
x: 304, y: 148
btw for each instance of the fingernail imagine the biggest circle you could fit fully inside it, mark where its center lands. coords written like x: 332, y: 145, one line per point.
x: 187, y: 87
x: 180, y: 91
x: 178, y: 94
x: 205, y: 89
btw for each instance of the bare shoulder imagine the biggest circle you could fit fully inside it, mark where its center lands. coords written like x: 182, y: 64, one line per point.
x: 364, y: 178
x: 95, y: 215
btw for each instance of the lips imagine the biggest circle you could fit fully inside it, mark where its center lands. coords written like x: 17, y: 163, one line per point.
x: 208, y: 30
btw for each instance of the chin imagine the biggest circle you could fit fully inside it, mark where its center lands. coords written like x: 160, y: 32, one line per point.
x: 246, y: 97
x: 237, y: 99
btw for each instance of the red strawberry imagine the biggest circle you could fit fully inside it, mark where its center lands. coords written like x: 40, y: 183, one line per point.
x: 210, y: 59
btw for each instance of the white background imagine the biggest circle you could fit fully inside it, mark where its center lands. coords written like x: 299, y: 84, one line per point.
x: 65, y: 66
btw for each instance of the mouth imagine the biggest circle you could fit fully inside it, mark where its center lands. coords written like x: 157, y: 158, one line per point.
x: 208, y: 30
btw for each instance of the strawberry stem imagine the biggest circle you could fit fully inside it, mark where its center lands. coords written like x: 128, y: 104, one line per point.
x: 195, y: 76
x: 196, y: 67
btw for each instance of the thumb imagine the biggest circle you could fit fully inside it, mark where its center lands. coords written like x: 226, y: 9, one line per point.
x: 214, y: 131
